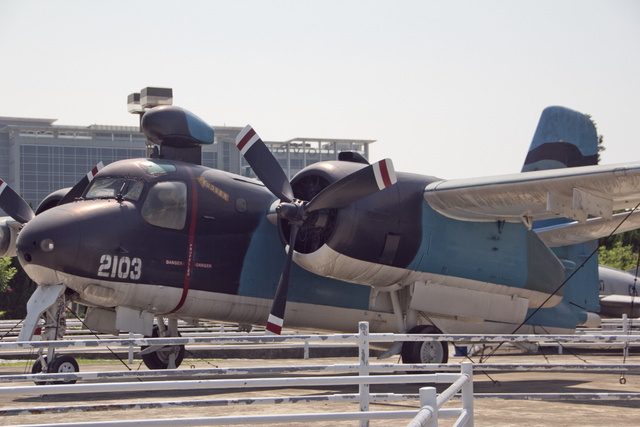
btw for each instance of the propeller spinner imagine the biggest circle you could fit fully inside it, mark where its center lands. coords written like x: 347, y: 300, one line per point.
x: 341, y: 193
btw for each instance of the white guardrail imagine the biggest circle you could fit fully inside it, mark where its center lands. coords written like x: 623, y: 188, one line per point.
x: 430, y: 404
x: 76, y: 330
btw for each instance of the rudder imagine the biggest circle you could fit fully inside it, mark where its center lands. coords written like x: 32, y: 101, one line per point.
x: 564, y: 138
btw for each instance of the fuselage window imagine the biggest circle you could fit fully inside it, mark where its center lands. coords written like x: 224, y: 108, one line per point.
x: 166, y: 205
x: 111, y: 188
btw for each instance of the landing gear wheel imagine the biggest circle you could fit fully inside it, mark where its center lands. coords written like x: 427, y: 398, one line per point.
x: 37, y: 369
x: 425, y: 351
x: 61, y: 365
x: 159, y: 359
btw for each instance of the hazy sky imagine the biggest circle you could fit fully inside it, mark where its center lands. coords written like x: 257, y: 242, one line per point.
x: 447, y: 88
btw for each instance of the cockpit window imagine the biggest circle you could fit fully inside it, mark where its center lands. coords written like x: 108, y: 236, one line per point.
x: 110, y: 188
x: 166, y: 205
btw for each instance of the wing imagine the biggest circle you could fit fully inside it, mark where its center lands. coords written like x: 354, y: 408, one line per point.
x: 574, y: 193
x: 575, y: 232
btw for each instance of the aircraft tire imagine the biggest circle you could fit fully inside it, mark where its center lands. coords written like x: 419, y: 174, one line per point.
x: 37, y: 369
x: 160, y: 359
x: 60, y: 365
x: 64, y: 364
x: 425, y: 351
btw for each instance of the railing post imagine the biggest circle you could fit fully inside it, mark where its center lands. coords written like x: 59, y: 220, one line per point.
x: 625, y: 331
x: 306, y: 350
x: 429, y: 401
x: 363, y: 367
x: 130, y: 349
x: 467, y: 392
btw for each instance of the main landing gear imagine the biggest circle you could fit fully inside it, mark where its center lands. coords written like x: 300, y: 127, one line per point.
x: 425, y: 351
x: 415, y: 351
x: 163, y: 357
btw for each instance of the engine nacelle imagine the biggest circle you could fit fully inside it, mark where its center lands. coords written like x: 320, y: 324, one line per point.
x: 8, y: 236
x: 9, y: 227
x: 383, y: 228
x: 52, y: 200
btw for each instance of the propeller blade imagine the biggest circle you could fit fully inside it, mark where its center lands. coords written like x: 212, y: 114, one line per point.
x: 14, y: 205
x: 264, y: 164
x: 276, y: 318
x: 81, y: 185
x: 355, y: 186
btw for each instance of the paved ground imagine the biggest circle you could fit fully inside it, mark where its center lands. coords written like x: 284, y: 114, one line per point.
x: 487, y: 412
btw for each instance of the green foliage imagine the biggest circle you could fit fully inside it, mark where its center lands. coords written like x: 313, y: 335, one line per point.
x: 13, y: 302
x: 622, y: 257
x: 6, y: 274
x: 630, y: 238
x: 620, y: 251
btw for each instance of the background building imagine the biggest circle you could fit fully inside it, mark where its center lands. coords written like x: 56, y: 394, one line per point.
x: 38, y: 157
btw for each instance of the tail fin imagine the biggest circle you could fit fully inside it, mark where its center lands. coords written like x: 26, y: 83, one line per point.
x: 564, y: 139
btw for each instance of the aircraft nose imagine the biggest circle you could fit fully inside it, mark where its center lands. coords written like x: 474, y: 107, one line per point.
x: 49, y: 243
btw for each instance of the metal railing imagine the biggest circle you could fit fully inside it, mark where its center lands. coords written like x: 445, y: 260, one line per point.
x: 75, y: 330
x: 363, y: 380
x: 430, y: 409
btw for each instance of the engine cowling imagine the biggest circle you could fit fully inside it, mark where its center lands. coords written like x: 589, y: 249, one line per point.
x: 8, y: 236
x: 384, y: 228
x: 53, y: 199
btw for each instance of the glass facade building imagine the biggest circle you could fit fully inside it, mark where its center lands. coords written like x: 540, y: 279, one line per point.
x: 38, y: 157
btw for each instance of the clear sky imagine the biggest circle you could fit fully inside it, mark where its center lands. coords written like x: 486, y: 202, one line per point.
x: 447, y: 88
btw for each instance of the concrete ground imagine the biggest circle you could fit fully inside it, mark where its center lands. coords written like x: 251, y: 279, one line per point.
x: 487, y: 412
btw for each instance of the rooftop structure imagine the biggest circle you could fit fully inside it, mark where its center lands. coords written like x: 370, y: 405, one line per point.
x: 38, y: 157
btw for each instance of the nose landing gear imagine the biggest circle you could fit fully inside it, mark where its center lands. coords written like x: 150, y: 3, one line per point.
x: 61, y: 365
x: 55, y: 325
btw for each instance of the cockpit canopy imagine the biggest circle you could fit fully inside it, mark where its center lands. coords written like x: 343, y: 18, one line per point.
x: 115, y: 187
x: 165, y: 204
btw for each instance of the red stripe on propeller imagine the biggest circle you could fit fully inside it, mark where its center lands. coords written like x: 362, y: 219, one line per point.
x: 250, y: 133
x: 272, y: 327
x: 384, y: 172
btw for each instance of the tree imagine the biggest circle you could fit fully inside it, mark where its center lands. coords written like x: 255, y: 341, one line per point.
x: 622, y: 257
x: 6, y: 274
x: 19, y: 287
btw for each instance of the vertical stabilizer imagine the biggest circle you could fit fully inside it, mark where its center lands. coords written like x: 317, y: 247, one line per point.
x: 564, y: 138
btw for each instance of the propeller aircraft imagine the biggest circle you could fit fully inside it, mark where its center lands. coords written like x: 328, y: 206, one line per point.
x: 619, y: 292
x: 344, y: 241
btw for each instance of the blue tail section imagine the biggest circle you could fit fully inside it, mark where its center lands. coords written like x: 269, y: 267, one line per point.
x: 566, y: 138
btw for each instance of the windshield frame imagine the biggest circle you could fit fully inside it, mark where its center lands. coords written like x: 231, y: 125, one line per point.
x: 115, y: 187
